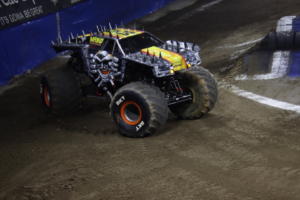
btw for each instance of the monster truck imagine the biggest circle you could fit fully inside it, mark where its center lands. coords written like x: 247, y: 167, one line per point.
x: 143, y: 76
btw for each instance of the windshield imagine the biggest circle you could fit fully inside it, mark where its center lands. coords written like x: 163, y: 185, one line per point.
x: 136, y: 43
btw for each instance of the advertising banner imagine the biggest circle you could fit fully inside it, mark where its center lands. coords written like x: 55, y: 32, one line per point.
x: 13, y: 12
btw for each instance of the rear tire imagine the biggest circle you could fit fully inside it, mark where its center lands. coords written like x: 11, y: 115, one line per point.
x: 139, y: 109
x: 204, y: 90
x: 60, y: 91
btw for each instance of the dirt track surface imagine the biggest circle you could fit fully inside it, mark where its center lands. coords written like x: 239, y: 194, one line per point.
x: 241, y: 150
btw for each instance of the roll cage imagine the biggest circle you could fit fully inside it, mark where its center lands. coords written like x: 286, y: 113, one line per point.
x: 124, y: 46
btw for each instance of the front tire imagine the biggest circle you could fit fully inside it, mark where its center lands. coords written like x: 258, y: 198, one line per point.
x: 203, y: 87
x: 139, y: 109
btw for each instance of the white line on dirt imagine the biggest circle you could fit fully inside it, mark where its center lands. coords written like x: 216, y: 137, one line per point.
x: 200, y: 9
x: 285, y: 24
x: 235, y: 55
x: 262, y: 99
x: 241, y: 44
x: 208, y: 5
x: 279, y: 67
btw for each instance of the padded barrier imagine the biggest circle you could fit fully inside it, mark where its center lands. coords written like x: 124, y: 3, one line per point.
x: 286, y: 38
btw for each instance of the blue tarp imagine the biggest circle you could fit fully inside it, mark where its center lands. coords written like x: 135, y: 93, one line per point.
x: 296, y: 24
x: 25, y: 46
x: 294, y: 70
x: 295, y: 64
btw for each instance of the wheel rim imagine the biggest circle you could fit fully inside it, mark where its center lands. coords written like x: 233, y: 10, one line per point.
x: 46, y: 96
x: 131, y: 113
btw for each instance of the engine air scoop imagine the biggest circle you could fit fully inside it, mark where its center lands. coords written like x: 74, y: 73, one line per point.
x: 175, y: 59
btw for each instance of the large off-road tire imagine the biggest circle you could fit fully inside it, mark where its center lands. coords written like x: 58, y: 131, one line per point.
x: 60, y: 91
x: 139, y: 109
x: 203, y: 87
